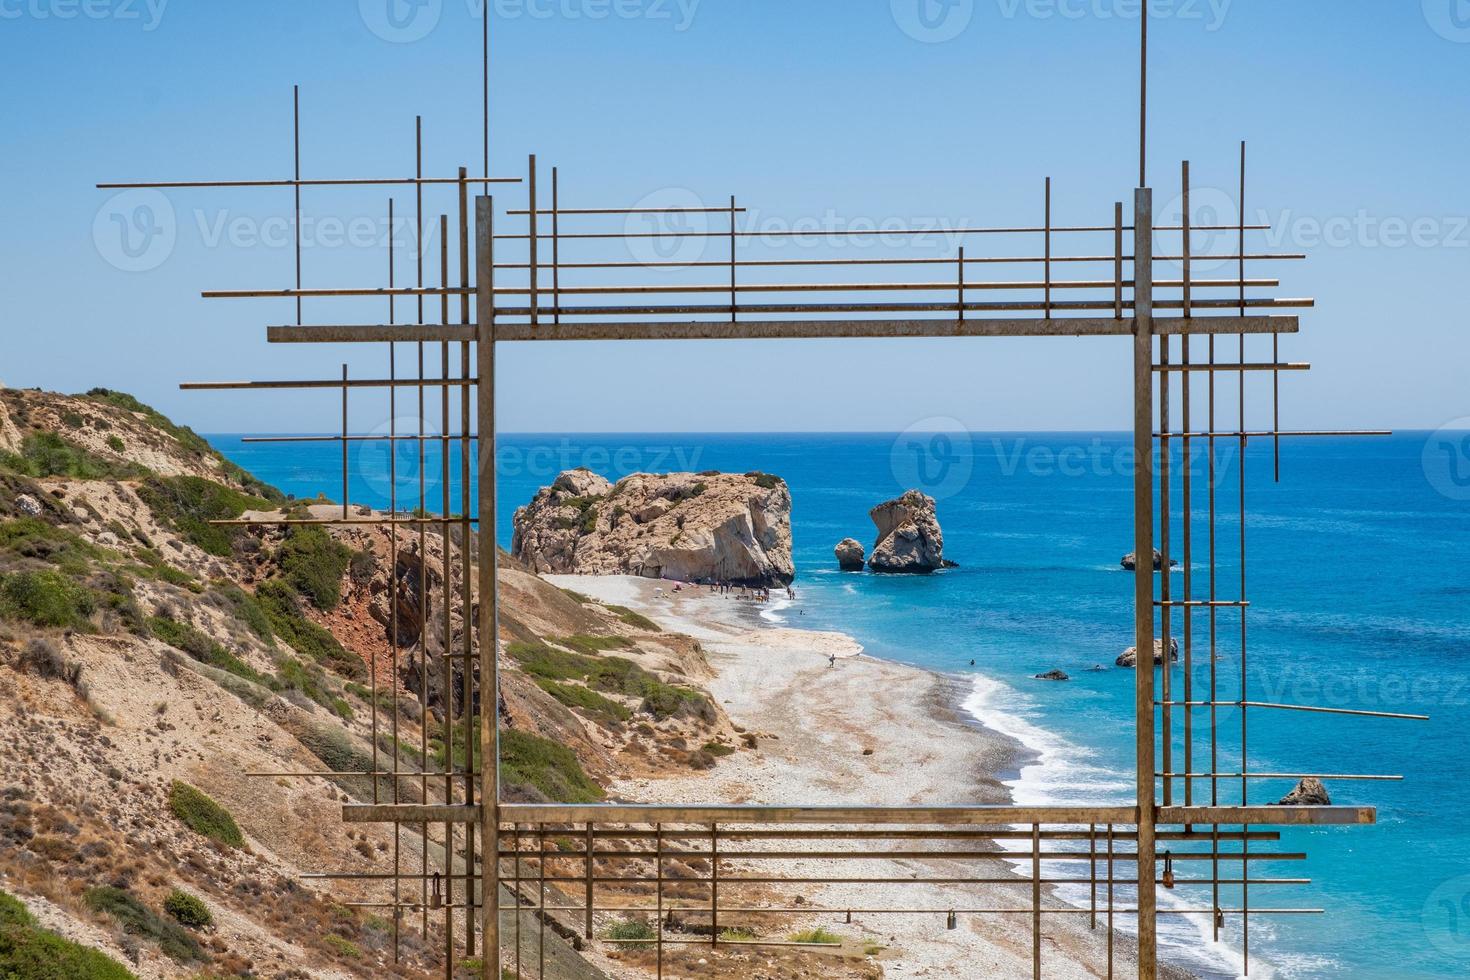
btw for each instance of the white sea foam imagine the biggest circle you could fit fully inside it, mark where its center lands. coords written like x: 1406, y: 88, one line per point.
x: 771, y: 613
x: 1060, y: 774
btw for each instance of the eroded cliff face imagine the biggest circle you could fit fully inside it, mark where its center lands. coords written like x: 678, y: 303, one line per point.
x: 909, y: 536
x: 707, y: 527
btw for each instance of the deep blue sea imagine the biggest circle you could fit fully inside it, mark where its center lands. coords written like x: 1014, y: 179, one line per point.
x: 1359, y: 584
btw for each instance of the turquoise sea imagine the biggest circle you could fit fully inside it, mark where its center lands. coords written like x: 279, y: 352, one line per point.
x: 1359, y: 585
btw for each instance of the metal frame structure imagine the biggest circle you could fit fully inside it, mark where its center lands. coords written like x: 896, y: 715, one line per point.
x: 1181, y: 812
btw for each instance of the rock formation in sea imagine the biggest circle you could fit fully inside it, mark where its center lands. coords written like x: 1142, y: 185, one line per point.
x: 1053, y: 675
x: 850, y: 555
x: 909, y: 537
x: 707, y: 527
x: 1129, y: 657
x: 1308, y: 792
x: 1130, y: 561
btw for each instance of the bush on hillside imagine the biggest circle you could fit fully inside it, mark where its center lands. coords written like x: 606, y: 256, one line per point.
x: 139, y: 920
x: 203, y: 815
x: 188, y: 503
x: 314, y: 562
x: 28, y: 952
x: 47, y: 454
x: 48, y: 599
x: 282, y: 606
x: 188, y: 910
x: 541, y: 768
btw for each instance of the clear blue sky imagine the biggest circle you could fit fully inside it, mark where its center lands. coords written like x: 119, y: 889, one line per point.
x: 823, y: 110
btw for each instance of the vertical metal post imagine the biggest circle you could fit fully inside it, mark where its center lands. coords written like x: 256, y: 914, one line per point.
x: 734, y: 296
x: 1143, y: 543
x: 1046, y: 262
x: 1036, y: 901
x: 489, y: 659
x: 714, y: 884
x: 587, y: 847
x: 535, y: 227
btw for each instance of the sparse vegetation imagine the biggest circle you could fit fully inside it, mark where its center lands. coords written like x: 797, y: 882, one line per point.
x: 182, y: 636
x: 613, y: 675
x: 632, y: 934
x: 139, y: 920
x: 585, y: 519
x: 635, y: 619
x: 817, y: 937
x: 576, y: 696
x: 41, y: 658
x: 766, y: 481
x: 47, y: 598
x: 188, y: 503
x: 28, y: 952
x: 545, y: 768
x: 583, y: 643
x: 203, y: 815
x: 342, y: 946
x: 314, y: 563
x: 738, y: 934
x: 47, y: 454
x: 116, y: 444
x: 188, y: 910
x: 247, y: 610
x: 718, y: 749
x: 282, y: 607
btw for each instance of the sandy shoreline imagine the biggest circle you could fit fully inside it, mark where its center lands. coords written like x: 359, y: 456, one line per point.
x: 862, y: 731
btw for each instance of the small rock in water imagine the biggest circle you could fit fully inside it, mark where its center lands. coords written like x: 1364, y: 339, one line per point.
x: 850, y: 555
x: 1130, y: 561
x: 1308, y: 792
x: 1053, y: 675
x: 1129, y: 657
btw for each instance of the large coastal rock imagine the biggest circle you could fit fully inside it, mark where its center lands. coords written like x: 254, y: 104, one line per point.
x: 909, y: 538
x: 1308, y: 792
x: 1129, y: 657
x: 1130, y: 561
x: 706, y: 527
x: 850, y: 555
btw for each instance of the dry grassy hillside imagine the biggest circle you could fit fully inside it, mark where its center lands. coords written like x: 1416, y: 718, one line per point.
x: 150, y: 660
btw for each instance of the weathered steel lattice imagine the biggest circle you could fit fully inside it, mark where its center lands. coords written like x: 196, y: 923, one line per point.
x: 497, y: 907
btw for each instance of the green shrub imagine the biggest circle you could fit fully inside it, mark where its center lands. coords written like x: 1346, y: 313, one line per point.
x: 46, y: 454
x: 188, y: 910
x: 189, y: 503
x: 47, y: 598
x: 635, y: 619
x: 314, y: 563
x: 632, y: 934
x: 139, y: 920
x: 116, y: 444
x: 737, y: 934
x: 576, y: 696
x: 551, y: 769
x: 247, y: 610
x: 613, y: 674
x: 72, y: 420
x: 28, y: 953
x: 282, y: 607
x: 342, y: 947
x: 203, y: 815
x: 182, y: 636
x: 765, y: 481
x: 718, y: 749
x: 31, y: 537
x: 595, y: 644
x: 817, y: 936
x: 585, y: 519
x: 13, y: 912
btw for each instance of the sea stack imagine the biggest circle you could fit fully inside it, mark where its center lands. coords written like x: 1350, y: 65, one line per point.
x: 693, y: 527
x: 1308, y: 792
x: 850, y: 555
x: 909, y: 537
x: 1130, y: 561
x: 1129, y: 657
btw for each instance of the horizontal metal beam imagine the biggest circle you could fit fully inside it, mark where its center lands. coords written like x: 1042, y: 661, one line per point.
x: 1295, y: 816
x: 822, y: 329
x: 537, y: 813
x: 370, y: 334
x: 785, y: 329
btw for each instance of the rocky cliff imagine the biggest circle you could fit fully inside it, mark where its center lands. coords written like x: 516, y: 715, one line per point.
x: 705, y: 527
x: 909, y: 536
x: 144, y: 648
